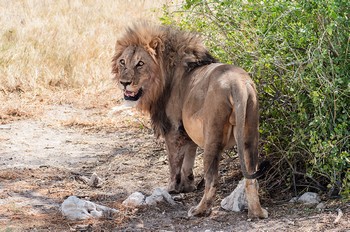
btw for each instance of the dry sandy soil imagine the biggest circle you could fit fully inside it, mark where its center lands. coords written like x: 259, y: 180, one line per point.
x: 42, y: 159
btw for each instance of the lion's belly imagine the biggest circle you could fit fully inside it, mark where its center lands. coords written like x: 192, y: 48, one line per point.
x: 194, y: 129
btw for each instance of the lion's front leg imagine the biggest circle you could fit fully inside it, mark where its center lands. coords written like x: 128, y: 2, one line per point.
x: 187, y: 177
x: 181, y: 154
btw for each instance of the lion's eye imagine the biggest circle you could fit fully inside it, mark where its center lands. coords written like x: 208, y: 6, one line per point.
x: 122, y: 62
x: 140, y: 63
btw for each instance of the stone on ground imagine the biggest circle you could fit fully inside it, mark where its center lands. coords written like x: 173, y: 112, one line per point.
x: 307, y: 198
x: 237, y: 200
x: 158, y: 195
x: 135, y: 199
x: 76, y: 209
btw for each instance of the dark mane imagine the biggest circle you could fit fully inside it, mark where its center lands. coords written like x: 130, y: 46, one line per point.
x: 160, y: 121
x: 208, y: 59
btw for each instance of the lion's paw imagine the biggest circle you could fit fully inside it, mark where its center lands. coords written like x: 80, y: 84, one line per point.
x: 189, y: 188
x: 198, y: 212
x: 262, y: 214
x: 174, y: 188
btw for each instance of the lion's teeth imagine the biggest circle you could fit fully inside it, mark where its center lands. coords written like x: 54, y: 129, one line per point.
x: 129, y: 93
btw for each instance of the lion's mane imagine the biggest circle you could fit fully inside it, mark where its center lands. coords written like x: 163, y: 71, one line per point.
x: 176, y: 54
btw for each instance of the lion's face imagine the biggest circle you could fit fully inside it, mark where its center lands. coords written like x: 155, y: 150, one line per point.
x: 135, y: 70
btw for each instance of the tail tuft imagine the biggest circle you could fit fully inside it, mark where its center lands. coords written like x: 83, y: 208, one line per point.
x: 263, y: 167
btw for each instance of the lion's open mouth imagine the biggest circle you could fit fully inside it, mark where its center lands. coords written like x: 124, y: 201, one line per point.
x: 132, y: 96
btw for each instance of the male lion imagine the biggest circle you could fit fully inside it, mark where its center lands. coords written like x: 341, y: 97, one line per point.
x: 193, y: 101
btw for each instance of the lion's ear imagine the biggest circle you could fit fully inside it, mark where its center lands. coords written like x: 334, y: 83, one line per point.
x: 154, y: 48
x: 154, y: 43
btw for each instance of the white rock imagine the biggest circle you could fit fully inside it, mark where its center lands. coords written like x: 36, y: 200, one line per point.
x: 135, y: 199
x: 76, y: 209
x: 309, y: 198
x: 159, y: 195
x: 93, y: 181
x: 237, y: 200
x: 126, y: 108
x: 156, y: 197
x: 320, y: 206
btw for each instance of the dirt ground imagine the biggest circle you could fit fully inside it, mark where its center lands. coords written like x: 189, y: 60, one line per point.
x: 42, y: 159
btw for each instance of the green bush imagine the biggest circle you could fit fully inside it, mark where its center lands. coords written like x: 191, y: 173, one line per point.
x: 298, y: 54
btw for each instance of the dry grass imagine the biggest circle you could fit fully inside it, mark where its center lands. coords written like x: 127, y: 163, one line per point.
x: 59, y: 51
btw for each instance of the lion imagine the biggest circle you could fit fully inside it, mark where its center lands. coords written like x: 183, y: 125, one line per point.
x: 193, y: 101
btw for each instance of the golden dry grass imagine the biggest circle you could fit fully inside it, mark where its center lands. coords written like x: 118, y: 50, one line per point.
x: 59, y: 51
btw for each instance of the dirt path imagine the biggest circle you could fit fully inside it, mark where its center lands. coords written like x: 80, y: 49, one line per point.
x: 42, y: 159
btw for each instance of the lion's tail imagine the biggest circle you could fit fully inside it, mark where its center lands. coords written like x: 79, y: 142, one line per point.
x: 247, y: 134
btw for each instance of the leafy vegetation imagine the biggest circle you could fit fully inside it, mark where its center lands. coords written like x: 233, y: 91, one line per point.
x: 298, y: 54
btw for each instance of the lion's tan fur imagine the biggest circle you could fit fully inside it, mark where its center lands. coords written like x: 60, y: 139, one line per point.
x: 193, y: 101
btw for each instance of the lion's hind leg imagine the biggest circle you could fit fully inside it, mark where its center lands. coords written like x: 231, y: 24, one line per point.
x: 211, y: 173
x: 213, y: 148
x: 254, y: 208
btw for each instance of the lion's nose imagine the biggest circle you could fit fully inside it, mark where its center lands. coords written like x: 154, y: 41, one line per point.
x: 125, y: 83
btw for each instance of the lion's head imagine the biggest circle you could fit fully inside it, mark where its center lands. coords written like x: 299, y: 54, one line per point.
x: 137, y: 65
x: 136, y: 72
x: 148, y: 57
